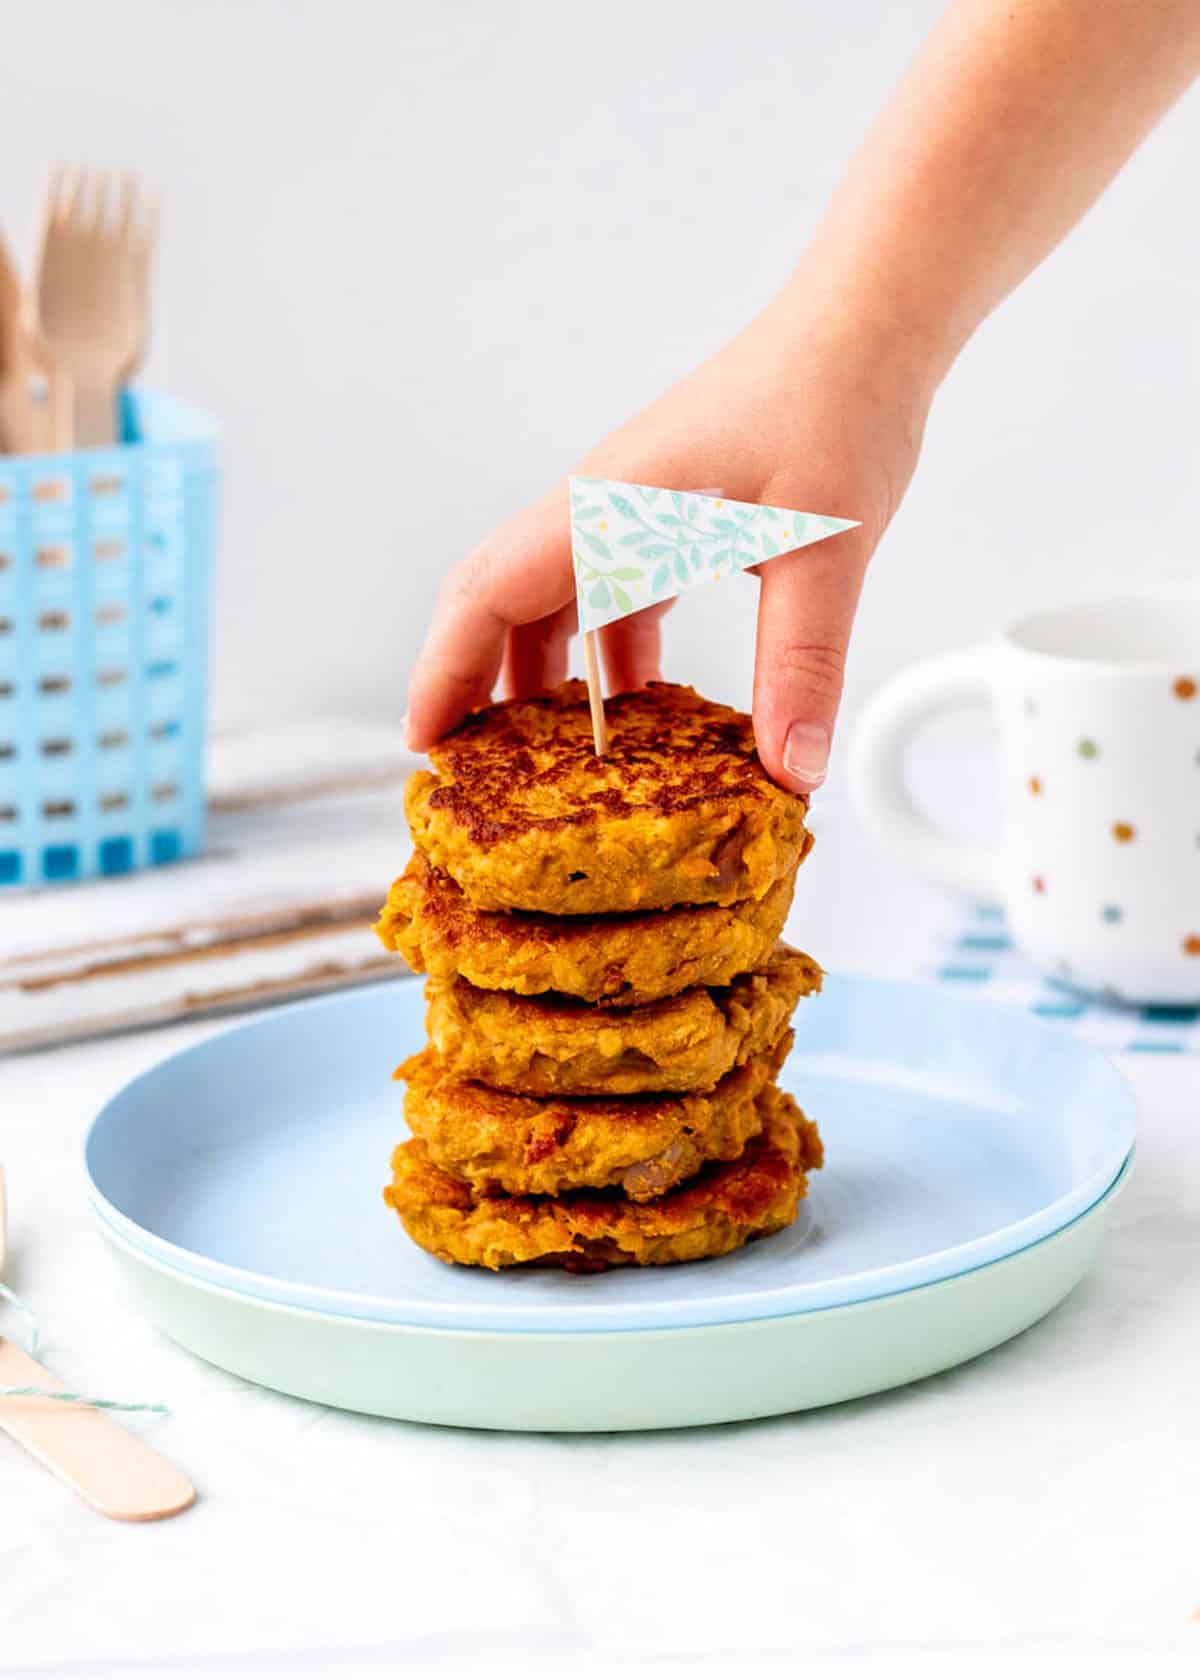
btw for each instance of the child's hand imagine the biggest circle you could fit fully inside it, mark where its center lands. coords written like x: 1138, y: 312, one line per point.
x: 808, y: 420
x: 1009, y: 124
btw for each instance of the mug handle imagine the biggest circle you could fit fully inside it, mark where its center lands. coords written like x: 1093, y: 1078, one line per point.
x: 892, y: 718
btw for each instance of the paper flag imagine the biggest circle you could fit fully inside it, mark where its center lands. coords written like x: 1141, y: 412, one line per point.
x: 634, y: 543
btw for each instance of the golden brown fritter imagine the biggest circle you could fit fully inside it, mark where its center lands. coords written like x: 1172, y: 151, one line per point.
x: 559, y: 1046
x: 724, y: 1207
x: 525, y: 816
x: 500, y: 1144
x: 623, y: 960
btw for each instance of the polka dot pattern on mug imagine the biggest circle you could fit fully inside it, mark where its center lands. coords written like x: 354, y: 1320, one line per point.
x: 1100, y: 795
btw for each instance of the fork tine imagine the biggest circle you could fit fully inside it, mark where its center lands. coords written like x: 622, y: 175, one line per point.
x: 137, y: 219
x: 127, y: 206
x: 72, y: 198
x: 60, y: 192
x: 52, y: 218
x: 115, y: 206
x: 97, y: 219
x: 148, y: 232
x: 152, y: 220
x: 90, y: 218
x: 53, y: 187
x: 91, y: 209
x: 81, y: 200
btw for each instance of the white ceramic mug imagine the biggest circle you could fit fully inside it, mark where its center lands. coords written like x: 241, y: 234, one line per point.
x: 1098, y: 709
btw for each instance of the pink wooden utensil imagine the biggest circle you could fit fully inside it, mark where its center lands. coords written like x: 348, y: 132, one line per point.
x: 117, y: 1474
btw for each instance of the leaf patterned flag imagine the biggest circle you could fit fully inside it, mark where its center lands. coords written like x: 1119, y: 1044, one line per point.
x: 634, y: 544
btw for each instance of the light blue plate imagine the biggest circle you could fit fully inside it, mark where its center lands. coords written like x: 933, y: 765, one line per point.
x: 957, y: 1134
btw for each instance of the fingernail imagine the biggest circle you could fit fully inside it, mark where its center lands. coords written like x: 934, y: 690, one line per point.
x: 806, y: 753
x: 404, y: 732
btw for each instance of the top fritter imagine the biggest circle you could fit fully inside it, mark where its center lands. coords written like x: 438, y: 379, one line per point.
x: 524, y: 816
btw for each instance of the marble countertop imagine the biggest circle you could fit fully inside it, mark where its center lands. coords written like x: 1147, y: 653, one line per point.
x: 1035, y: 1509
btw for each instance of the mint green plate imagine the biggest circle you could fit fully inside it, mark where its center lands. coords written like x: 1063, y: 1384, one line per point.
x: 632, y: 1379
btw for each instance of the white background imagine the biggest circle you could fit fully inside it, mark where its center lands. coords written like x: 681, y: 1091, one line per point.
x: 419, y: 257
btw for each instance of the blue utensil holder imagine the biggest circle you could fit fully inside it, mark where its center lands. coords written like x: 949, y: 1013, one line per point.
x: 105, y: 567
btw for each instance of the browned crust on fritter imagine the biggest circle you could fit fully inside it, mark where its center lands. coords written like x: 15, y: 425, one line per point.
x: 524, y: 815
x: 722, y: 1208
x: 501, y: 1144
x: 559, y: 1046
x: 624, y: 960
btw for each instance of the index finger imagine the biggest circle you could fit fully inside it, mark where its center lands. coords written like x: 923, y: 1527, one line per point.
x: 520, y: 573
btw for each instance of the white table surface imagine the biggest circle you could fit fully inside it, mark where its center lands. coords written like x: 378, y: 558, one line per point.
x: 1030, y: 1512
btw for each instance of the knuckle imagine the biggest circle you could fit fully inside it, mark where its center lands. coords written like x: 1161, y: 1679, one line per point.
x: 475, y: 573
x: 471, y: 585
x: 643, y: 626
x: 433, y: 675
x: 817, y: 667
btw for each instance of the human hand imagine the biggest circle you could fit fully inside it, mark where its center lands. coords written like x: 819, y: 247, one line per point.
x: 986, y: 155
x: 818, y: 415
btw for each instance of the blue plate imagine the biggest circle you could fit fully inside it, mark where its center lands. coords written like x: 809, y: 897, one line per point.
x: 956, y: 1133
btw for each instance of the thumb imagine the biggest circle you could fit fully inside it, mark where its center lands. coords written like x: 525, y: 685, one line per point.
x: 805, y: 614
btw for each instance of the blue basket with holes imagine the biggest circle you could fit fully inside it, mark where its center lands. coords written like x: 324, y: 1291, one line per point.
x: 105, y: 566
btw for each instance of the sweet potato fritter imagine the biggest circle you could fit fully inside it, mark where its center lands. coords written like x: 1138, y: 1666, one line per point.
x: 559, y: 1046
x: 523, y: 815
x: 529, y: 1146
x: 722, y: 1208
x: 625, y: 959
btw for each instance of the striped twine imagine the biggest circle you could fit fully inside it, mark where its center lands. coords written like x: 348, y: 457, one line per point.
x: 33, y: 1343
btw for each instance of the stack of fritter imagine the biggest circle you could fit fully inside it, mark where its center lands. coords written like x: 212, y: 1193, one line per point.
x: 608, y: 998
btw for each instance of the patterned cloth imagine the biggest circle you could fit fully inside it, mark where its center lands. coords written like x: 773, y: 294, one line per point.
x: 982, y: 956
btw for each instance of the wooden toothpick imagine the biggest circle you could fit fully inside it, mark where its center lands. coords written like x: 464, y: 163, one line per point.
x: 595, y: 694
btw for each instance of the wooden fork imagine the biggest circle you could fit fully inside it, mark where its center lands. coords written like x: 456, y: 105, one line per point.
x: 87, y: 306
x: 141, y: 215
